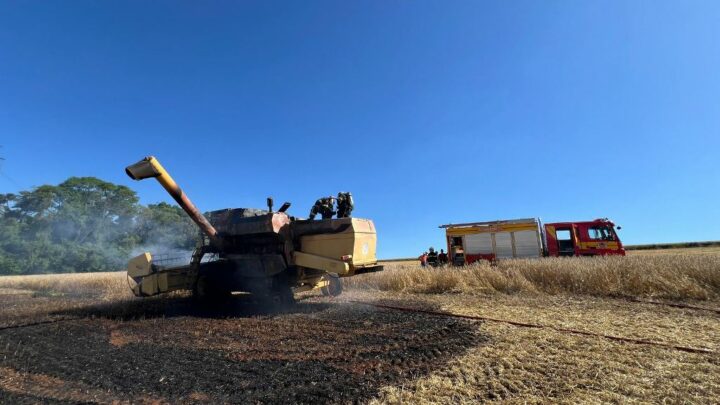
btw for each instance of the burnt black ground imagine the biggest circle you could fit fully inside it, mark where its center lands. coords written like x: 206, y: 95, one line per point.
x: 170, y: 350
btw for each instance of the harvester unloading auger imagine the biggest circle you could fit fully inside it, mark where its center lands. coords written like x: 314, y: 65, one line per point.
x: 263, y: 252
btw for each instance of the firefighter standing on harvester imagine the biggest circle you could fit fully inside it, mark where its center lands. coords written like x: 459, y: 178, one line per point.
x: 323, y: 206
x: 344, y: 204
x: 326, y: 206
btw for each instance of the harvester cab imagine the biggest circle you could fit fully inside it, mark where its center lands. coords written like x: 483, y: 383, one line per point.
x: 260, y: 251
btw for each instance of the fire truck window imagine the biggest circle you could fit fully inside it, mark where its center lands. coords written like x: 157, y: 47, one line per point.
x: 563, y: 234
x: 600, y: 233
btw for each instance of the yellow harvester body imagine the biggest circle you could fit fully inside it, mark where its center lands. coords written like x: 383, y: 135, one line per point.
x: 258, y: 251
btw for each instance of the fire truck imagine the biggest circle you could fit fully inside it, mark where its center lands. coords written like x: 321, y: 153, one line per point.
x: 529, y: 237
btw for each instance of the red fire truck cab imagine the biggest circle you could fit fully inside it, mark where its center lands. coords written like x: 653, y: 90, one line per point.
x: 589, y: 238
x: 516, y: 238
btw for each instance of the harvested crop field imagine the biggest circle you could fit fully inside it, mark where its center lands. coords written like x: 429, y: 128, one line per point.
x: 81, y: 338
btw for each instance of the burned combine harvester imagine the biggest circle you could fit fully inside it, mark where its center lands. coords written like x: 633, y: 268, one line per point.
x: 263, y: 252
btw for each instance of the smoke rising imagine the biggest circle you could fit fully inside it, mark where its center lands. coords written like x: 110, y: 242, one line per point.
x: 86, y: 225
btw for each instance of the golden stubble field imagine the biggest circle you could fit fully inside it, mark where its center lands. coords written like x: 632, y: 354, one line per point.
x: 83, y: 338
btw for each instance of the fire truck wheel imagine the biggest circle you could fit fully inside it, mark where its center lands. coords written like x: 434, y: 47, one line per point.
x: 334, y: 287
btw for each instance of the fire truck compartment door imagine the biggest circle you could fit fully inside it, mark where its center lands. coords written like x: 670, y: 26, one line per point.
x: 478, y: 244
x: 503, y: 245
x: 527, y: 244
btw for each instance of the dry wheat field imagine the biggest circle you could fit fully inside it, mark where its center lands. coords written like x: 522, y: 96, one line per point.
x: 643, y: 328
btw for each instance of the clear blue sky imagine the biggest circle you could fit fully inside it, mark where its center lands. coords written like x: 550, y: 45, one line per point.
x: 429, y: 112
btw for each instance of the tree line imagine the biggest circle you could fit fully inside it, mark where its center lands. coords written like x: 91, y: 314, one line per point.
x: 85, y: 224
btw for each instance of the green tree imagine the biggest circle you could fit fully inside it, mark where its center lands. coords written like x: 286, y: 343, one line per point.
x: 83, y: 224
x: 166, y: 226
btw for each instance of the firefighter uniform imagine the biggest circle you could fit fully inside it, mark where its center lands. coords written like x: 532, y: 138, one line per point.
x: 345, y: 204
x: 324, y: 207
x: 432, y: 258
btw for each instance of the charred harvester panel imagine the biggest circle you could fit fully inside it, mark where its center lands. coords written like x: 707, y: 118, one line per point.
x: 264, y: 252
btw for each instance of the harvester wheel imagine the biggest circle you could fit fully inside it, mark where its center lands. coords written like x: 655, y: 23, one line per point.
x: 334, y: 287
x: 282, y: 290
x: 205, y: 291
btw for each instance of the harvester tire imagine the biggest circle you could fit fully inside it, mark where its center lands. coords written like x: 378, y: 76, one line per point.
x: 205, y: 292
x: 278, y: 295
x: 282, y: 290
x: 334, y: 287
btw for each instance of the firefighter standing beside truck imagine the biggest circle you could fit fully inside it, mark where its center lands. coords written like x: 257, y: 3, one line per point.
x: 423, y: 259
x: 432, y: 257
x: 442, y: 257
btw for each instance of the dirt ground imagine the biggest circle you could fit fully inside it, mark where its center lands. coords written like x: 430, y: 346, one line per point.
x: 65, y: 348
